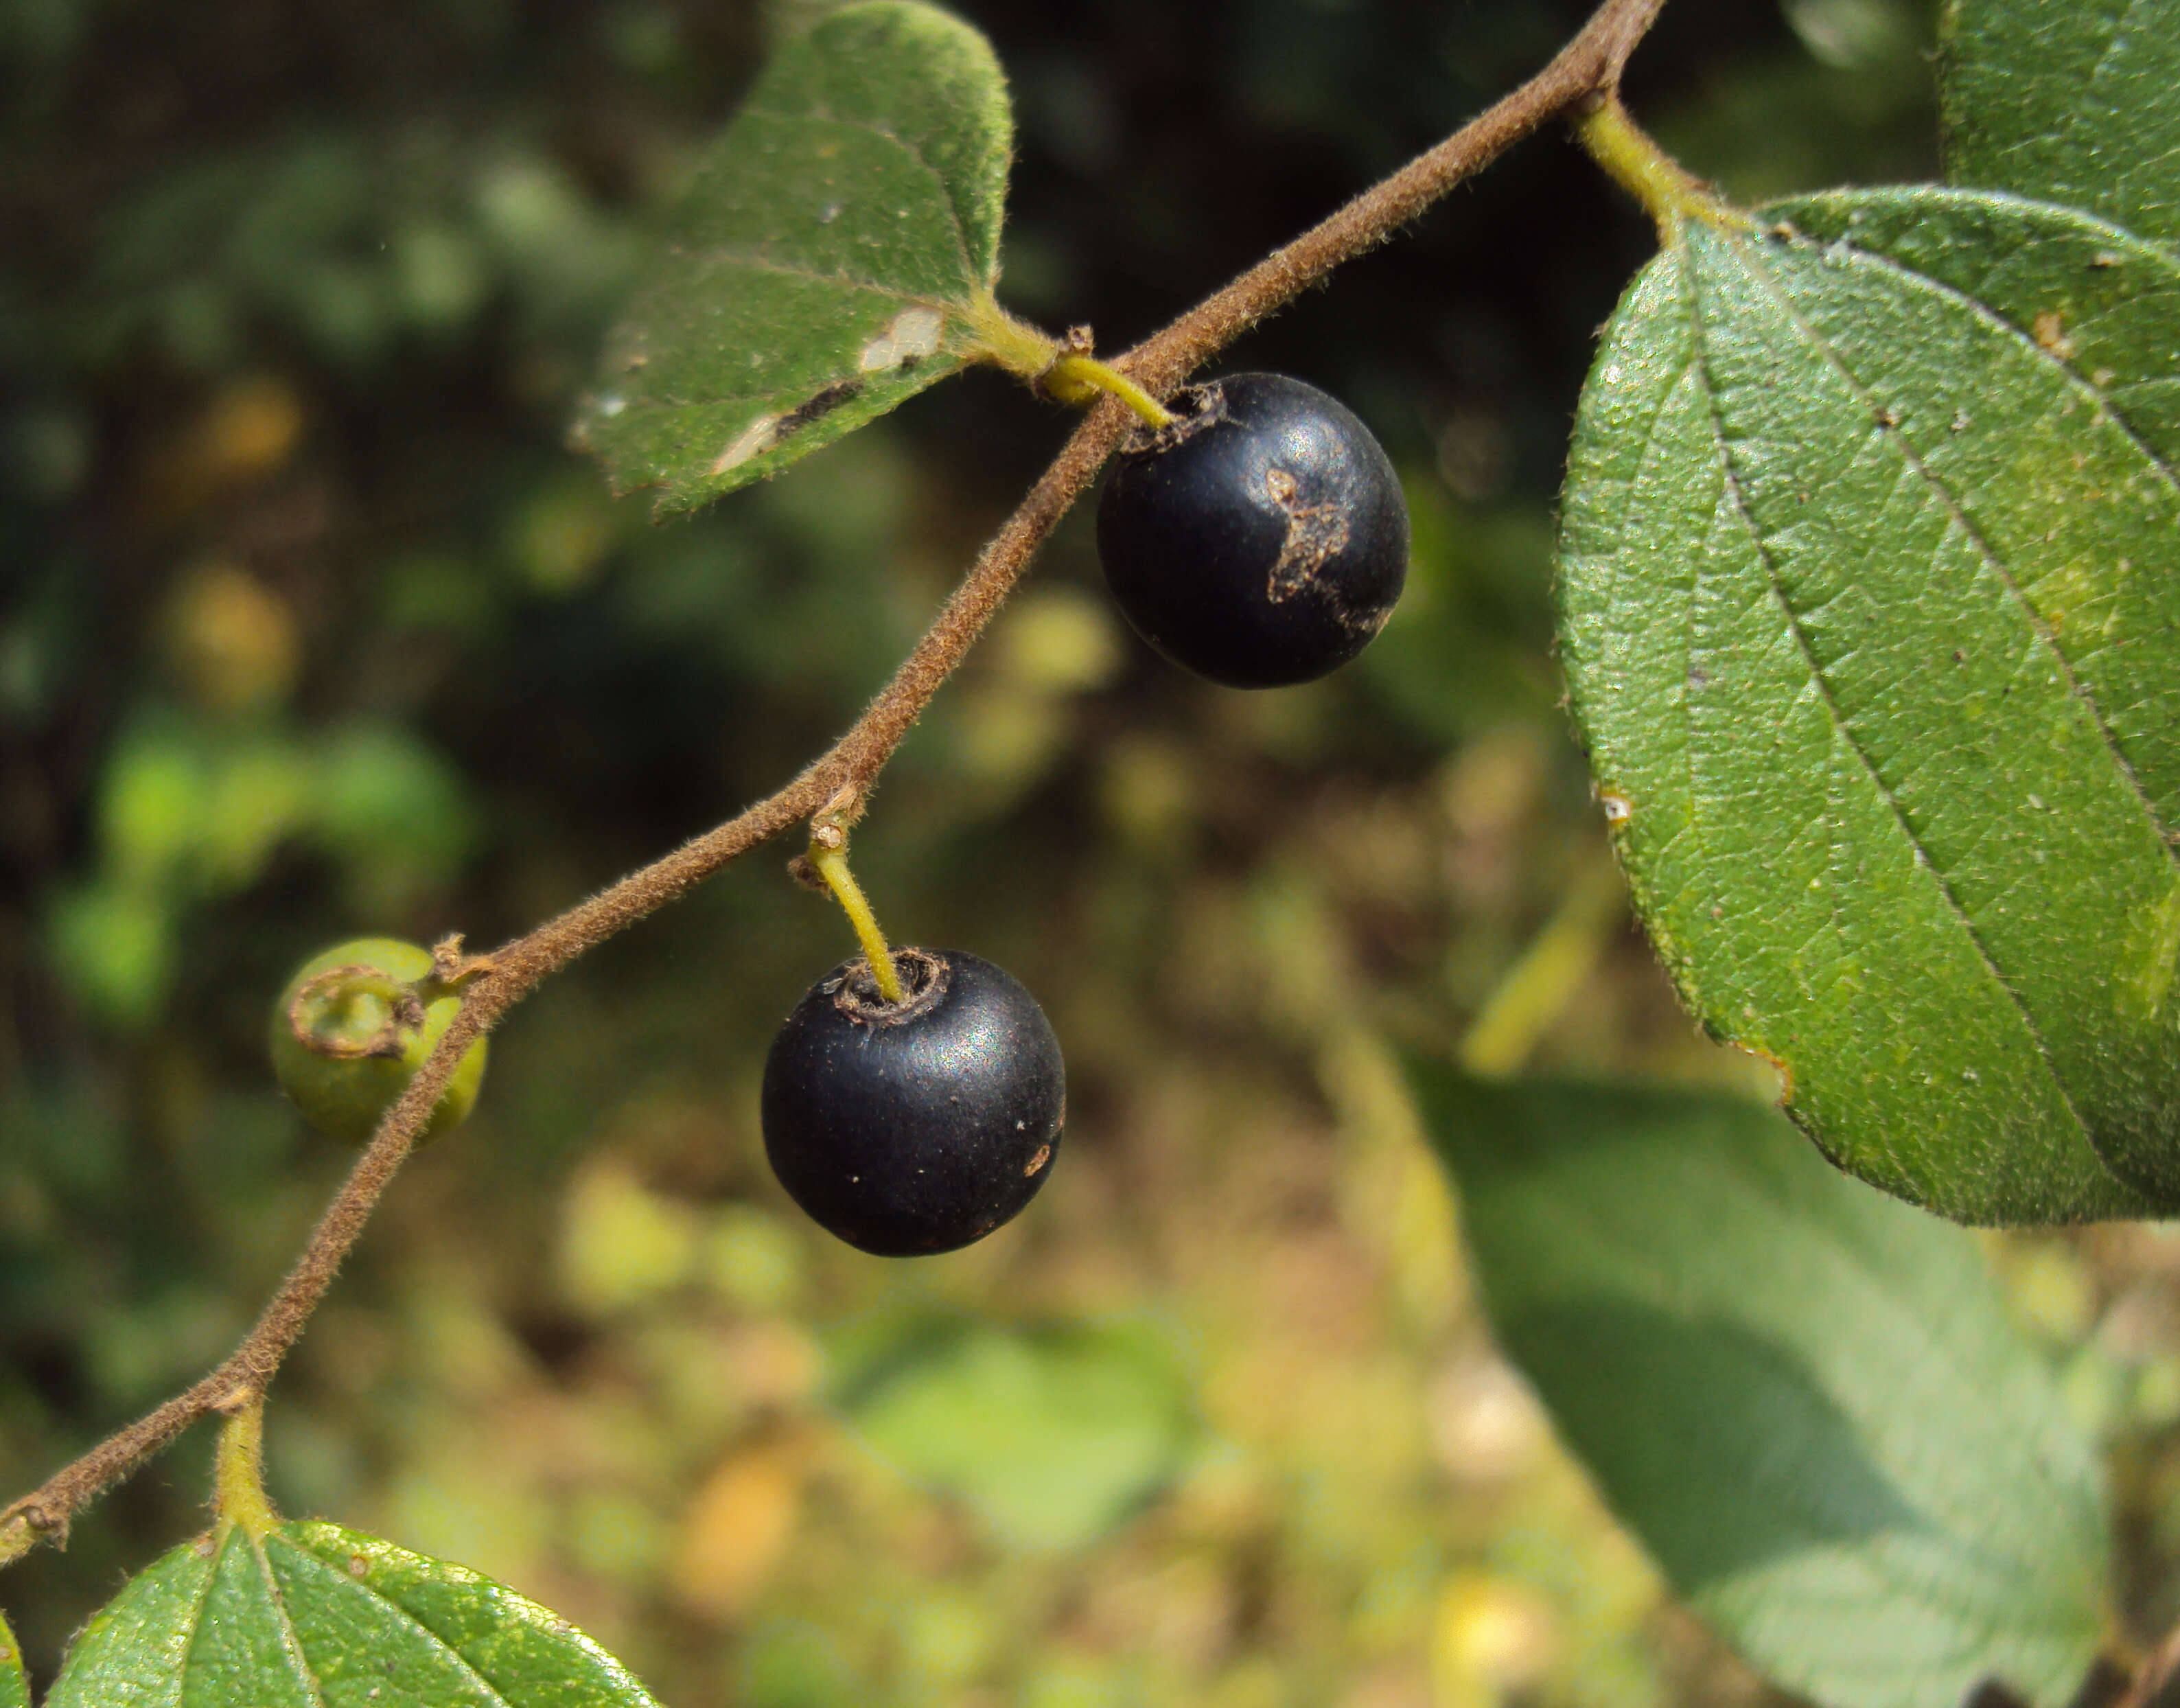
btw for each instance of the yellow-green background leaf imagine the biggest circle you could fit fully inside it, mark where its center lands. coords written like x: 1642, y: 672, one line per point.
x: 1051, y: 1436
x: 1806, y: 1400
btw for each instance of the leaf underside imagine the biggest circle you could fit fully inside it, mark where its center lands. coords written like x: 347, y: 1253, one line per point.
x: 1806, y: 1399
x: 316, y: 1616
x: 1870, y: 611
x: 821, y: 267
x: 2070, y: 103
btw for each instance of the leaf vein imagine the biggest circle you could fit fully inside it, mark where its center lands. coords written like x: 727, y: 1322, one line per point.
x: 2121, y: 29
x: 394, y: 1610
x: 196, y: 1621
x: 1841, y: 726
x: 1854, y: 256
x: 728, y: 256
x: 1896, y: 437
x: 289, y: 1641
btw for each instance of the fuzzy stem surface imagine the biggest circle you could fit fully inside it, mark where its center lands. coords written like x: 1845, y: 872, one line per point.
x: 239, y: 1471
x: 1668, y: 192
x: 1077, y: 379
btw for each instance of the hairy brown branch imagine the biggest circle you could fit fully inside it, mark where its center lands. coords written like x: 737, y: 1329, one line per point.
x: 1585, y: 70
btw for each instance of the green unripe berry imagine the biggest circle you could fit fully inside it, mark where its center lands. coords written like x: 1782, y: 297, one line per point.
x: 352, y: 1029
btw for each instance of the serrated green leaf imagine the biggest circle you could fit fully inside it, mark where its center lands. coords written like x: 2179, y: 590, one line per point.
x: 1806, y: 1399
x: 835, y: 254
x: 15, y: 1688
x: 1870, y: 614
x: 2068, y: 103
x: 319, y: 1616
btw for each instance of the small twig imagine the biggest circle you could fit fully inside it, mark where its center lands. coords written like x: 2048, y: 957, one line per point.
x: 1587, y: 69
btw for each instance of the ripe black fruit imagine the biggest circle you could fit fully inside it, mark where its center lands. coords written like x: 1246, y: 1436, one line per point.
x: 1260, y: 538
x: 920, y: 1126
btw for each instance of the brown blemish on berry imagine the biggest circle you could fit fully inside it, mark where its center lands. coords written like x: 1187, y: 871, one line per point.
x: 1044, y: 1155
x: 1315, y: 533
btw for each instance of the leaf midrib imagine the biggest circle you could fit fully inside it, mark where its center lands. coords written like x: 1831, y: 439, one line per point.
x: 395, y: 1611
x: 1895, y: 436
x: 291, y: 1644
x: 1733, y: 493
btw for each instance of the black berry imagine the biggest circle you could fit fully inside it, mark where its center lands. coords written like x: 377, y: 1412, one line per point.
x: 916, y: 1127
x: 1260, y: 538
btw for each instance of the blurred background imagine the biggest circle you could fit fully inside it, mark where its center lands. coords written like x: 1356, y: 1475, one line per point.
x: 309, y: 626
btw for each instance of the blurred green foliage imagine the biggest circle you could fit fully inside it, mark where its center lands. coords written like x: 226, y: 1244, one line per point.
x: 309, y: 626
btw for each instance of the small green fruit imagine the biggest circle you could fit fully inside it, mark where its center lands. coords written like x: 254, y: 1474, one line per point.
x: 372, y: 1008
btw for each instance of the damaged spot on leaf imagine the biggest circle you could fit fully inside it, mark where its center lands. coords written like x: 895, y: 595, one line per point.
x: 2051, y: 335
x: 908, y: 337
x: 754, y: 440
x: 768, y: 433
x: 823, y: 404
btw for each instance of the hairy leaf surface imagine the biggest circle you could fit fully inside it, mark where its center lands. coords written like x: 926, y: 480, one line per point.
x: 826, y: 264
x: 1804, y: 1397
x: 14, y: 1689
x: 317, y: 1616
x: 1870, y: 613
x: 2070, y: 103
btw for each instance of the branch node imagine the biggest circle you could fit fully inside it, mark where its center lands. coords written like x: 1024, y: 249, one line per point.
x: 235, y: 1399
x: 451, y: 966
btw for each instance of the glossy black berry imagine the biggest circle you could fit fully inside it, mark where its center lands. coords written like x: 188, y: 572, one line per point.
x: 1261, y: 539
x: 920, y: 1126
